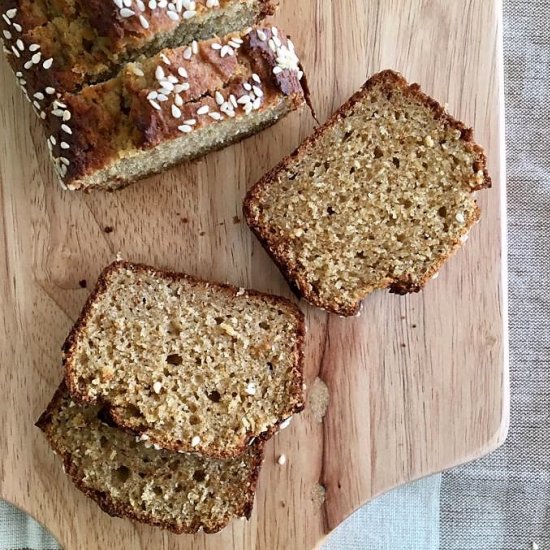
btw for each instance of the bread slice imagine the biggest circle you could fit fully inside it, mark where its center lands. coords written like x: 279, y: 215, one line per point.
x: 130, y: 478
x: 59, y: 46
x: 193, y: 366
x: 380, y: 196
x: 174, y: 107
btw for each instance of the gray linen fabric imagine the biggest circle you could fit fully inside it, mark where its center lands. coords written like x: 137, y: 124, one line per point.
x: 502, y: 502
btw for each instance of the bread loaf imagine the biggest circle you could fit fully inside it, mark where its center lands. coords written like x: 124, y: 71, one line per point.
x: 173, y: 107
x: 59, y: 46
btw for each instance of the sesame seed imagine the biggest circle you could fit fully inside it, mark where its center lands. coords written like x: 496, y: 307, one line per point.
x: 182, y: 72
x: 195, y: 441
x: 190, y: 122
x: 256, y: 78
x: 185, y: 128
x: 460, y: 217
x: 286, y: 423
x: 203, y: 110
x: 219, y: 98
x: 216, y: 46
x: 48, y: 63
x: 66, y: 129
x: 215, y: 116
x: 157, y: 386
x: 176, y: 111
x: 281, y: 460
x: 261, y: 35
x: 137, y: 71
x: 165, y: 59
x: 251, y: 389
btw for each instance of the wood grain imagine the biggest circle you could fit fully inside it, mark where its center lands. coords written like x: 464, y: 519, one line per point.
x: 417, y: 384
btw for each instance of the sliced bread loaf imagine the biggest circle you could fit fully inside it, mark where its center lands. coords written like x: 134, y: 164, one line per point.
x: 380, y: 196
x: 130, y: 478
x: 192, y: 366
x: 173, y: 107
x: 58, y: 46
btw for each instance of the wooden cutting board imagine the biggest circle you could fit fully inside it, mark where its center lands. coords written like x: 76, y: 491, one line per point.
x: 417, y: 384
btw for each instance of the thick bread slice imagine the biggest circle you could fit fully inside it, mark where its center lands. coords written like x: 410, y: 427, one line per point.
x: 130, y: 478
x: 379, y: 196
x: 193, y: 366
x: 176, y: 106
x: 58, y: 46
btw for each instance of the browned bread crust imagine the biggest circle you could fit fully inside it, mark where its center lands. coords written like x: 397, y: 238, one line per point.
x: 241, y: 492
x: 294, y: 399
x: 93, y: 133
x: 275, y: 248
x: 58, y: 46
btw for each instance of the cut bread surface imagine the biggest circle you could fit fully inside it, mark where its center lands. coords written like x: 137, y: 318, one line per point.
x: 129, y: 478
x: 193, y: 366
x: 380, y: 196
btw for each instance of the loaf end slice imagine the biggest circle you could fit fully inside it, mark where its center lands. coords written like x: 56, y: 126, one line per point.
x: 378, y: 197
x: 129, y: 478
x: 190, y: 365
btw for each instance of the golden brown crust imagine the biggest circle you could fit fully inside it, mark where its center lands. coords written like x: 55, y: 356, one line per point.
x: 85, y: 42
x: 392, y: 80
x: 91, y: 130
x: 295, y: 399
x: 123, y: 510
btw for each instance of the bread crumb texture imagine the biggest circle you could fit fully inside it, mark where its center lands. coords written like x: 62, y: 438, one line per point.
x: 190, y: 365
x: 128, y: 477
x: 379, y: 197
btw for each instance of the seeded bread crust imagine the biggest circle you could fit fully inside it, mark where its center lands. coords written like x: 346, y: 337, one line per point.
x: 62, y: 46
x: 296, y: 394
x: 126, y: 510
x: 92, y: 132
x: 391, y: 80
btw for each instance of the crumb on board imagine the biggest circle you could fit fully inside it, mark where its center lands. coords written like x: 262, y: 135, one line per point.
x: 318, y: 495
x: 83, y: 283
x: 318, y: 399
x: 108, y: 229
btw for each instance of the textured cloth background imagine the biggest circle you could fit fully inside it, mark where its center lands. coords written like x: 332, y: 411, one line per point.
x: 503, y: 501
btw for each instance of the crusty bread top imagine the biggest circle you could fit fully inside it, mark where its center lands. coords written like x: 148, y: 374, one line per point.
x: 58, y: 46
x: 379, y: 196
x: 170, y: 95
x: 193, y: 366
x: 130, y: 478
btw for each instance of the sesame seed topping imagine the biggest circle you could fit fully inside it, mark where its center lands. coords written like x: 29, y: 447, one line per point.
x: 157, y: 386
x: 176, y: 111
x: 203, y: 110
x: 281, y: 460
x: 185, y: 128
x: 195, y: 441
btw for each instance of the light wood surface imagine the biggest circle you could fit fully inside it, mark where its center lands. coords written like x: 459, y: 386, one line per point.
x: 417, y: 384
